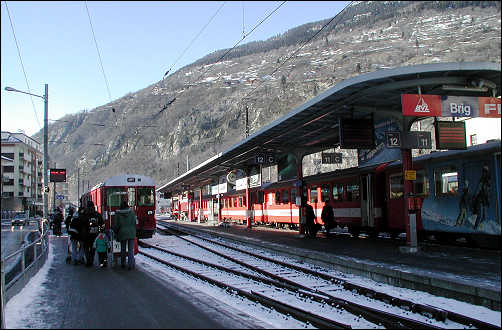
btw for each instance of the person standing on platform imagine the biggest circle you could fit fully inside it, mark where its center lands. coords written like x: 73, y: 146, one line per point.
x: 93, y: 221
x: 75, y: 230
x: 311, y: 226
x: 58, y: 220
x: 124, y: 227
x: 67, y: 221
x: 101, y: 246
x: 328, y: 218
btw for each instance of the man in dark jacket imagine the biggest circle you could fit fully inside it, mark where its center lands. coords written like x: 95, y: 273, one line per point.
x: 91, y: 225
x: 75, y: 230
x: 58, y: 220
x: 328, y: 217
x: 124, y: 227
x: 311, y: 227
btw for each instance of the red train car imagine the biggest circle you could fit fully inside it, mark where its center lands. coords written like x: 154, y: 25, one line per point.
x: 140, y: 192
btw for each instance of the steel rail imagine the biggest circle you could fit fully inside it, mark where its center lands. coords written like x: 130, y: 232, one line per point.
x: 439, y: 314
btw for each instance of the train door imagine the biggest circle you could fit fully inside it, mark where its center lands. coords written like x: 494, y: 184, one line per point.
x: 367, y: 216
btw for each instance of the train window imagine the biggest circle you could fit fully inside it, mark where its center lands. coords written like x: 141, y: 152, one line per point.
x: 421, y: 184
x: 113, y: 196
x: 285, y: 197
x: 234, y: 201
x: 337, y: 192
x: 244, y: 200
x: 324, y: 192
x: 293, y: 195
x: 278, y: 197
x: 396, y: 186
x: 145, y: 196
x: 313, y: 194
x: 131, y: 196
x: 352, y: 192
x: 446, y: 181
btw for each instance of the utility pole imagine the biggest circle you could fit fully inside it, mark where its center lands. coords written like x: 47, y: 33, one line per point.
x: 78, y: 186
x: 54, y: 192
x: 46, y: 148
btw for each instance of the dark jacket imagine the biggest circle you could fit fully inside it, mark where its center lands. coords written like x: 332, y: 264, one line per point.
x: 124, y: 224
x: 310, y: 214
x: 327, y: 215
x: 75, y: 227
x: 91, y: 223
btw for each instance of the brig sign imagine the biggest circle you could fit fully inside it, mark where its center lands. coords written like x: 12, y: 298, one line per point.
x: 450, y: 106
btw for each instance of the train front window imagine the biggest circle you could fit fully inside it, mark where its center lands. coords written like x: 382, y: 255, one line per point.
x: 446, y: 181
x: 114, y: 196
x: 131, y: 196
x: 145, y: 196
x: 396, y: 186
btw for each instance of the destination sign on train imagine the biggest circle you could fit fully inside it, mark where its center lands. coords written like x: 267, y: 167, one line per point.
x: 57, y: 175
x: 450, y: 106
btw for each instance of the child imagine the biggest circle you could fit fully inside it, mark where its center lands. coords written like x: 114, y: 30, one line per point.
x: 101, y: 246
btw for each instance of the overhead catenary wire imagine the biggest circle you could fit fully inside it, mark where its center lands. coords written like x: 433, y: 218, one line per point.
x: 299, y: 48
x: 225, y: 54
x: 99, y: 54
x: 22, y: 65
x: 195, y: 38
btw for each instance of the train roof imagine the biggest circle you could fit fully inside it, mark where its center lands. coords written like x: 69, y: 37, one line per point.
x: 127, y: 180
x: 489, y: 147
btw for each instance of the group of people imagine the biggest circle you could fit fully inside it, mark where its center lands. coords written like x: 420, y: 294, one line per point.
x: 308, y: 226
x: 88, y: 236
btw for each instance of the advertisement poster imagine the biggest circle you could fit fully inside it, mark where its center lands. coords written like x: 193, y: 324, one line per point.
x: 380, y: 153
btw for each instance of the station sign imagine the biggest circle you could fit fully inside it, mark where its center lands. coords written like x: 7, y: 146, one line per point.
x: 331, y: 158
x: 57, y: 175
x: 450, y: 135
x: 450, y: 106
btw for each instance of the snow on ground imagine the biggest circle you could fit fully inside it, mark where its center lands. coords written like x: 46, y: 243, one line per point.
x: 21, y: 310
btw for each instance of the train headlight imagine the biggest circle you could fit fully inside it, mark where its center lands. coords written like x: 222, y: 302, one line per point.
x: 150, y: 212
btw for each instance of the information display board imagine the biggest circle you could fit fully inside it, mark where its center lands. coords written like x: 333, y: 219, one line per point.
x: 57, y: 175
x: 450, y: 135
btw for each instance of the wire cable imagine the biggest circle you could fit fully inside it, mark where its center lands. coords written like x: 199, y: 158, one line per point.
x: 22, y: 65
x: 299, y: 48
x: 193, y: 40
x: 99, y: 55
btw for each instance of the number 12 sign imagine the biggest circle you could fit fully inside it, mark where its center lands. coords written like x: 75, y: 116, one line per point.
x: 393, y: 139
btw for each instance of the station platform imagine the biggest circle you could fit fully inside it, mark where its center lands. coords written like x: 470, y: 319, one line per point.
x: 466, y: 274
x: 66, y: 296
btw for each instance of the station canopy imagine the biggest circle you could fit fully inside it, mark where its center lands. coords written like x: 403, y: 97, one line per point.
x: 313, y: 126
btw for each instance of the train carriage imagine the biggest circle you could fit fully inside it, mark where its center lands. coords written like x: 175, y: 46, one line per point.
x: 140, y: 192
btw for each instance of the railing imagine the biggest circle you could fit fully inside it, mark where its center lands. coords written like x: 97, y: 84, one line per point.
x: 23, y: 264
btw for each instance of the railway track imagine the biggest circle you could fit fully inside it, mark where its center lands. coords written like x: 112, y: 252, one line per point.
x: 326, y: 291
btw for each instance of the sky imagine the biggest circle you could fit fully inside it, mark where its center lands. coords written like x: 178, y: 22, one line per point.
x: 137, y: 42
x: 27, y: 308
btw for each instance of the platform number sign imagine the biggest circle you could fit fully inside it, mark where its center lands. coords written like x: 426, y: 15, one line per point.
x: 393, y: 139
x: 331, y: 158
x: 264, y: 158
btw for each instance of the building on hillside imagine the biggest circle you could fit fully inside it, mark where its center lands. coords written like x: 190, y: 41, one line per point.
x: 22, y: 173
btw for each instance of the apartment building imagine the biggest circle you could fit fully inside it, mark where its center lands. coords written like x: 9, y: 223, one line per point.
x: 22, y: 172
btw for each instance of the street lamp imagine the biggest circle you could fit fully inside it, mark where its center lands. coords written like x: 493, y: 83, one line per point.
x: 46, y: 152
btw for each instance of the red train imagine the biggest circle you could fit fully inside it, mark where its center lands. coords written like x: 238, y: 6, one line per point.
x: 459, y: 192
x: 140, y: 192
